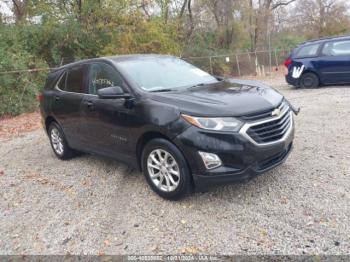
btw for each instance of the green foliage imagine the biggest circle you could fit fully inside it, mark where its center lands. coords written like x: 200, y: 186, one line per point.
x: 66, y: 41
x: 220, y: 68
x: 287, y: 41
x: 18, y: 90
x: 62, y: 32
x: 68, y: 35
x: 135, y: 35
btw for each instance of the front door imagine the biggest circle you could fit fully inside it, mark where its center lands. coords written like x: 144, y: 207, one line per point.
x: 334, y: 64
x: 105, y: 122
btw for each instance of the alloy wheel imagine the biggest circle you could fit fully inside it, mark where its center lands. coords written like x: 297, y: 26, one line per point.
x: 56, y: 139
x: 163, y: 170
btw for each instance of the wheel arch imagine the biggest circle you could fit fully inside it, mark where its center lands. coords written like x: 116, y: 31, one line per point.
x: 313, y: 72
x: 148, y: 136
x: 143, y: 140
x: 48, y: 121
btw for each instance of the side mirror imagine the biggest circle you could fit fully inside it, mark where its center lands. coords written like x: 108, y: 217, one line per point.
x: 112, y: 92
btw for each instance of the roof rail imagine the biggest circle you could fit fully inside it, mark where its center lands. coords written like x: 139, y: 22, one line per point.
x: 325, y: 38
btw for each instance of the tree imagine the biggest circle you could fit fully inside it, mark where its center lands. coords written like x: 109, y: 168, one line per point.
x: 222, y: 11
x: 19, y: 8
x: 264, y: 14
x: 319, y: 18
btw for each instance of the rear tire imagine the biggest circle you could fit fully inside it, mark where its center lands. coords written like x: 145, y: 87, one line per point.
x: 309, y: 80
x: 59, y: 143
x: 166, y: 169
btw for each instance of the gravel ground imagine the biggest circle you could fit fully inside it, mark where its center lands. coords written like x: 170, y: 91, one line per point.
x: 92, y: 205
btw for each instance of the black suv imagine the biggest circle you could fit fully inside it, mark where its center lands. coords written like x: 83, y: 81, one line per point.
x: 181, y: 126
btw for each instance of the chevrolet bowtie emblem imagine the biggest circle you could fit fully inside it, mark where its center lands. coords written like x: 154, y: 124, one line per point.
x: 276, y: 112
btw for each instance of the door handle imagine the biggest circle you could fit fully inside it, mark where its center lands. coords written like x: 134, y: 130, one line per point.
x: 89, y: 104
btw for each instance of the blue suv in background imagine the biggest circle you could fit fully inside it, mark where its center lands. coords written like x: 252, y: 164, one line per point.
x: 320, y: 62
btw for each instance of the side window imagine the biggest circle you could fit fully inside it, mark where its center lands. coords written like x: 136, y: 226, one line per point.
x: 308, y: 51
x: 75, y: 80
x: 337, y: 48
x: 103, y: 75
x: 62, y: 82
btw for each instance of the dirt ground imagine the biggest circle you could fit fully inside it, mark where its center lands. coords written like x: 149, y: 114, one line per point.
x: 93, y: 205
x: 15, y: 126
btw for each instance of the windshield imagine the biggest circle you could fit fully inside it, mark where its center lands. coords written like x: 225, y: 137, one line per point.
x: 164, y: 73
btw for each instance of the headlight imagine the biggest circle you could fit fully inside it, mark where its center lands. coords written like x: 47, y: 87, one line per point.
x: 214, y: 123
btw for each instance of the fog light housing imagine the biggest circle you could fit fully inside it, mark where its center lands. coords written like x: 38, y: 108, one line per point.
x: 210, y: 160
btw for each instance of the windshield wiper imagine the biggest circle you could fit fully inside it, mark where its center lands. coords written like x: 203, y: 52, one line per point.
x: 197, y: 85
x: 161, y: 90
x: 203, y: 84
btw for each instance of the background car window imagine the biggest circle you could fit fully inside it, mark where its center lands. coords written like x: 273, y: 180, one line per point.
x: 101, y: 76
x: 337, y: 48
x: 75, y: 80
x: 62, y: 83
x: 308, y: 51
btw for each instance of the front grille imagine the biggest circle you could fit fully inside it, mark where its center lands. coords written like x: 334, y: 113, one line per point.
x: 272, y: 130
x: 264, y: 114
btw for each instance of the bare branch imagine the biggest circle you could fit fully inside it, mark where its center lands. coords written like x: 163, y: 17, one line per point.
x: 281, y: 4
x: 183, y: 8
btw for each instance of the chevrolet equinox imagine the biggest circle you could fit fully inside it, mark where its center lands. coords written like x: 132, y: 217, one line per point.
x: 181, y: 126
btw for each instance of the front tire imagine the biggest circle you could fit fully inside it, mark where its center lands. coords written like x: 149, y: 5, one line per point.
x: 59, y: 143
x: 165, y: 169
x: 309, y: 80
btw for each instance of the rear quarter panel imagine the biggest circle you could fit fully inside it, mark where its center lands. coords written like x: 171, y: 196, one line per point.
x: 300, y: 66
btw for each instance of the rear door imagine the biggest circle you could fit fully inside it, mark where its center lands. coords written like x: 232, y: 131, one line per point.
x: 334, y: 63
x: 69, y: 93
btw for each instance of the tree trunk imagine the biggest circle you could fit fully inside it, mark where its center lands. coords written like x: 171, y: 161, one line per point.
x: 183, y: 8
x: 321, y: 18
x: 190, y: 16
x: 252, y: 27
x: 19, y: 9
x: 263, y: 17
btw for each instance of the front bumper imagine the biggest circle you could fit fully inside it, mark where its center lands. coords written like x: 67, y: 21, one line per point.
x: 205, y: 181
x: 241, y: 159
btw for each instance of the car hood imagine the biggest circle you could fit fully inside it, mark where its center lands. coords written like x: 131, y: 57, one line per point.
x: 226, y: 98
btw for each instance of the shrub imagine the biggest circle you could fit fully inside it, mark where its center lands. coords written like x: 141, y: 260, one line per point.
x: 18, y: 90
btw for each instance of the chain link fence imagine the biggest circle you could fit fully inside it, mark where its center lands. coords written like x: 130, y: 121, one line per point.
x: 236, y: 64
x: 242, y: 64
x: 18, y: 87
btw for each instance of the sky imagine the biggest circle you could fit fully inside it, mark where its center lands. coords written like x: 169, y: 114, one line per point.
x: 4, y: 8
